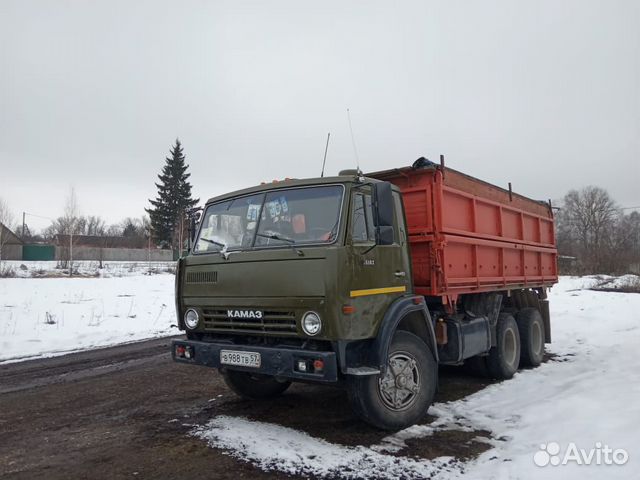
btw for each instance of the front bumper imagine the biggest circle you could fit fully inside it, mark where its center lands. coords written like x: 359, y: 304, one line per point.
x: 278, y: 362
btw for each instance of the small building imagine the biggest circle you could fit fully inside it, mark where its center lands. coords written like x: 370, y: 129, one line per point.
x: 10, y: 244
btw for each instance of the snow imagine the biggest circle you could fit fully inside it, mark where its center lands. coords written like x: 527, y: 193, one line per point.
x: 46, y: 269
x: 273, y: 447
x: 51, y: 316
x: 588, y: 395
x: 616, y: 283
x: 592, y: 396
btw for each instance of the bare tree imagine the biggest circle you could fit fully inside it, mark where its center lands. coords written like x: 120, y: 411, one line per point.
x: 94, y: 225
x: 587, y: 225
x: 6, y: 220
x: 179, y: 232
x: 69, y: 222
x: 625, y: 243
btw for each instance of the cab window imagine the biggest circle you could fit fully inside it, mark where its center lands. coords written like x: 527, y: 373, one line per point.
x: 362, y: 229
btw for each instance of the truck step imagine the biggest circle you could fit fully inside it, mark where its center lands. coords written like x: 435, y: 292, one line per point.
x: 362, y: 371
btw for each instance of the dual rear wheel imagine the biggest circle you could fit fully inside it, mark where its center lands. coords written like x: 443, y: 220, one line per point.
x: 519, y: 342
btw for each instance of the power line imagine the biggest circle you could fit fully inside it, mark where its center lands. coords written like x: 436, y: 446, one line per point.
x: 38, y: 216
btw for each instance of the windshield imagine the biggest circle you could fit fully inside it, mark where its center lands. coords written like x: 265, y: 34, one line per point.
x: 294, y: 216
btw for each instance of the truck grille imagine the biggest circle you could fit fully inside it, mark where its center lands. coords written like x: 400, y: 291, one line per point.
x: 282, y: 323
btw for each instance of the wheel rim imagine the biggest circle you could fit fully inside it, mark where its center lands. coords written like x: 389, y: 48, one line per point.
x: 399, y: 386
x: 536, y: 338
x: 510, y: 349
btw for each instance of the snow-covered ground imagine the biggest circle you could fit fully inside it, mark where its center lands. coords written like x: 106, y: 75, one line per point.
x: 46, y: 269
x: 51, y: 316
x: 630, y: 283
x: 587, y: 397
x: 583, y: 402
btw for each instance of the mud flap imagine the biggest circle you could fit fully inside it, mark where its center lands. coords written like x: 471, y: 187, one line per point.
x: 546, y: 317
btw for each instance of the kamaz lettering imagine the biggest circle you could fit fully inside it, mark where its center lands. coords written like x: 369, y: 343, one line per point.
x: 244, y: 314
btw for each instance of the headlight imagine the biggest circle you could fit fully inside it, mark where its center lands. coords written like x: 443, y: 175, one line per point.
x: 191, y: 319
x: 311, y: 323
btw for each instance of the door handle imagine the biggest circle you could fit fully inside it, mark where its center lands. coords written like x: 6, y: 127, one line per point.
x: 400, y: 274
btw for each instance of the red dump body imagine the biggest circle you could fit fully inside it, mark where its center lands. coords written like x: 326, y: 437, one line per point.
x: 469, y: 236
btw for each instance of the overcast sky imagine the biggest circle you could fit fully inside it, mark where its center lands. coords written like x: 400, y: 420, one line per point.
x: 545, y: 94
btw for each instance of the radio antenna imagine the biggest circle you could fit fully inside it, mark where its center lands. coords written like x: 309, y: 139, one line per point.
x: 324, y: 160
x: 353, y: 141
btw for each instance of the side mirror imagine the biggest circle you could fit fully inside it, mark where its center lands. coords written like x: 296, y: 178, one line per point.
x: 383, y: 213
x: 192, y: 229
x: 193, y: 226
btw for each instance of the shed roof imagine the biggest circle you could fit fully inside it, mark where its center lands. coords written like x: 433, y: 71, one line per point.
x: 8, y: 237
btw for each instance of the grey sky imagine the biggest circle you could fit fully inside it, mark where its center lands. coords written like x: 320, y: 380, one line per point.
x: 544, y: 94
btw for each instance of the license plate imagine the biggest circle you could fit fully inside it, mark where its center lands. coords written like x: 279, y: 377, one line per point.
x: 241, y: 359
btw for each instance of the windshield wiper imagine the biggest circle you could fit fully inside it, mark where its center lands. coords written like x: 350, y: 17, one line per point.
x: 275, y: 236
x: 290, y: 241
x: 221, y: 245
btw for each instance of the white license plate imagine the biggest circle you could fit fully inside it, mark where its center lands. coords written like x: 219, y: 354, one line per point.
x: 241, y: 359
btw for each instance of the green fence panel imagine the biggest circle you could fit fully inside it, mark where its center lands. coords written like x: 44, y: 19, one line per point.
x: 39, y: 252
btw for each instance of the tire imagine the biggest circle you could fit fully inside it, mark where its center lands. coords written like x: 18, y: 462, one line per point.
x: 531, y: 327
x: 504, y: 359
x: 254, y: 386
x: 393, y: 402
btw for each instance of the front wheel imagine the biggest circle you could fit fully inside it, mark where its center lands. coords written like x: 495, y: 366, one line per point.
x: 401, y: 396
x: 254, y: 386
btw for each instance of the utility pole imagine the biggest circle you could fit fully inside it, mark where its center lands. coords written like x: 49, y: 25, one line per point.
x: 24, y: 214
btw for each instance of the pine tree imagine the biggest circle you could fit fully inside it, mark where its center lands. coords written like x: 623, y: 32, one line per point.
x: 174, y: 198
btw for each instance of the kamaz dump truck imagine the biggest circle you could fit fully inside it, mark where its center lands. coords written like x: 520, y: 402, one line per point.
x: 369, y: 282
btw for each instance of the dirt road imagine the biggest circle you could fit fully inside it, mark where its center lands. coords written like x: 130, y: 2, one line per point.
x: 125, y: 412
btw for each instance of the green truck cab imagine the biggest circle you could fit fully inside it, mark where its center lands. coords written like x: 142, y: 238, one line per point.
x: 311, y: 280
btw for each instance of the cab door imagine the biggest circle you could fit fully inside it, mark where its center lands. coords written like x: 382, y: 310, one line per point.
x: 379, y: 273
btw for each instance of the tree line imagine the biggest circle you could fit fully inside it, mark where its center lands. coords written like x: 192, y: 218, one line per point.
x: 92, y: 225
x: 595, y: 235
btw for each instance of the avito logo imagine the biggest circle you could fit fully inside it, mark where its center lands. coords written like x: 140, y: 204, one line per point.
x: 600, y: 454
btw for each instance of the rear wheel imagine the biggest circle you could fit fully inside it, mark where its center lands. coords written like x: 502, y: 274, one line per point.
x: 401, y: 396
x: 503, y: 359
x: 254, y: 386
x: 531, y: 327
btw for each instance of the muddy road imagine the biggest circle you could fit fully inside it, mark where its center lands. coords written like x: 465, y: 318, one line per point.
x: 126, y: 412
